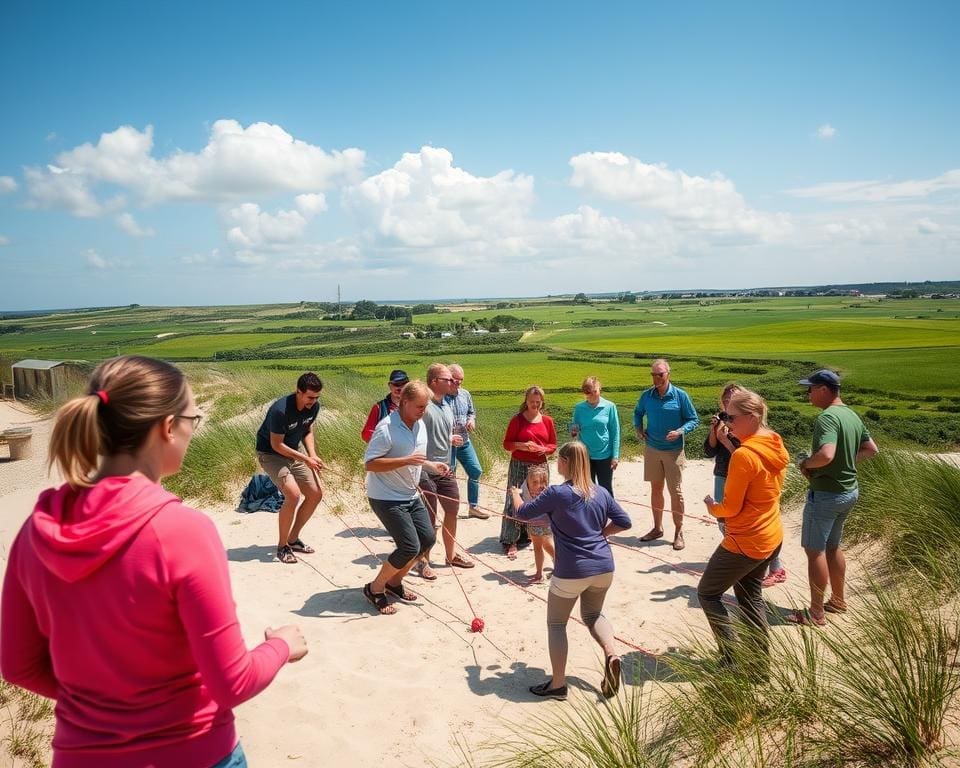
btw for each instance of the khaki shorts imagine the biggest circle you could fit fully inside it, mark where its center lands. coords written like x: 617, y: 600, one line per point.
x: 278, y: 468
x: 660, y: 466
x: 572, y: 588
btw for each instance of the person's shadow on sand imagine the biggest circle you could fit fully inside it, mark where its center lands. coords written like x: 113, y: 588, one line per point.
x: 259, y: 552
x: 679, y: 592
x: 513, y: 684
x: 337, y: 603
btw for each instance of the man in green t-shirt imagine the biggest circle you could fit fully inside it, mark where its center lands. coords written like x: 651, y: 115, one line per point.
x: 840, y: 440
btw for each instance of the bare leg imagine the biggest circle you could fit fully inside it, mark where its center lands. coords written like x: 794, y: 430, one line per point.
x: 311, y: 499
x: 819, y: 576
x: 537, y: 558
x: 291, y: 497
x: 837, y: 566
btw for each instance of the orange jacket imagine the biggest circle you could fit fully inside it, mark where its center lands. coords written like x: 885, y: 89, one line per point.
x: 751, y: 497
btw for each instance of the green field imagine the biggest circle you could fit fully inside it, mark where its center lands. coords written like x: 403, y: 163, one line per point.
x: 900, y: 358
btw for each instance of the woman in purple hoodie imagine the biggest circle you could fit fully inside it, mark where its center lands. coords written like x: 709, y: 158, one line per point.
x: 116, y: 599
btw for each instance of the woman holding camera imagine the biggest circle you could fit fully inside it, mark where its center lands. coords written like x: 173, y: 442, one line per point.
x: 753, y: 533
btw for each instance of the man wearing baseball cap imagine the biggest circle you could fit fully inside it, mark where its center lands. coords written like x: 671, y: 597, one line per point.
x: 388, y: 405
x: 840, y: 440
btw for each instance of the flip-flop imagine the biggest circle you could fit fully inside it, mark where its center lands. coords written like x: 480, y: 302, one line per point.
x: 832, y: 607
x: 426, y: 572
x: 611, y: 677
x: 804, y: 619
x: 402, y: 592
x: 379, y: 601
x: 299, y: 546
x: 652, y: 535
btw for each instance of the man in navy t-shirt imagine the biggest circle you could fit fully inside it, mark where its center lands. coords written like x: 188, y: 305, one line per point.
x: 287, y: 425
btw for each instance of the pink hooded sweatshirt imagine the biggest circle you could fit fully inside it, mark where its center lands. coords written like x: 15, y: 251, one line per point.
x: 117, y: 603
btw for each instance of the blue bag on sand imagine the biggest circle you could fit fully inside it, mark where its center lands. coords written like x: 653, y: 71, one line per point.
x: 260, y: 493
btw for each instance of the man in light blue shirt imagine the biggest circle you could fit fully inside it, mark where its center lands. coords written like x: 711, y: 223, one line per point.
x: 670, y: 416
x: 464, y: 422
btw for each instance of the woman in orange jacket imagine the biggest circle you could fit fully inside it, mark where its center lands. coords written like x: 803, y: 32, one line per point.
x: 753, y: 534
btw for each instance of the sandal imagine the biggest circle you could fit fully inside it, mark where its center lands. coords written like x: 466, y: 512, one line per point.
x: 298, y: 546
x: 544, y: 690
x: 678, y: 542
x: 611, y: 677
x: 402, y: 592
x: 425, y: 571
x: 511, y: 552
x: 285, y: 555
x: 655, y: 533
x: 804, y: 619
x: 379, y: 601
x: 834, y: 607
x: 460, y: 562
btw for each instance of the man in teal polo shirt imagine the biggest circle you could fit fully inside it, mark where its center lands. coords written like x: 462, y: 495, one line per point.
x: 670, y: 415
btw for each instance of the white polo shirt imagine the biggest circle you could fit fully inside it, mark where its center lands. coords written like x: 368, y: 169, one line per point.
x: 392, y: 439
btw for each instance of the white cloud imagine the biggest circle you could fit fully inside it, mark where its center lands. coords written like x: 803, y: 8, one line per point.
x: 237, y: 162
x: 254, y: 228
x: 878, y: 191
x: 4, y: 241
x: 927, y: 226
x: 94, y: 259
x: 7, y: 184
x: 201, y: 259
x: 425, y: 201
x: 708, y: 204
x: 826, y: 132
x: 128, y: 224
x: 310, y: 204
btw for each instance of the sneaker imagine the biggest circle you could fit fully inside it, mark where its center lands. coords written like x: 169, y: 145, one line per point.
x: 774, y: 577
x: 478, y: 513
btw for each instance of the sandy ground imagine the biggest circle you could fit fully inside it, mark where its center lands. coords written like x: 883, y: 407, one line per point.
x: 403, y: 689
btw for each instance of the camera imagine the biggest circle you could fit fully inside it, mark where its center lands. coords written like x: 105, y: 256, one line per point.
x: 723, y: 416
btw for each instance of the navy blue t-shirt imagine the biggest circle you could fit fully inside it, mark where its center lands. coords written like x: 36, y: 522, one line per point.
x: 283, y: 418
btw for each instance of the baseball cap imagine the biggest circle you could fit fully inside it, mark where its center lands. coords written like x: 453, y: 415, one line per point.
x: 821, y: 377
x: 398, y: 377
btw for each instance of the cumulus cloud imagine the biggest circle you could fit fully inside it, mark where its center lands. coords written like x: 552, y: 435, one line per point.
x: 826, y: 132
x: 708, y: 204
x: 128, y: 224
x: 254, y: 228
x: 94, y: 259
x: 426, y: 201
x: 310, y: 204
x: 237, y: 161
x: 7, y: 184
x: 879, y: 191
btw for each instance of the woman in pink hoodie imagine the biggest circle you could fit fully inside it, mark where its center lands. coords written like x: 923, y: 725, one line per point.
x: 116, y: 599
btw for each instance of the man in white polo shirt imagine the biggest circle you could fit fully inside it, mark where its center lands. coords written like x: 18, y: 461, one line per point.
x: 394, y: 459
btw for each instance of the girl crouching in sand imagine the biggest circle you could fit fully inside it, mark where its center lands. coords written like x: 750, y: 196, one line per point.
x: 539, y: 529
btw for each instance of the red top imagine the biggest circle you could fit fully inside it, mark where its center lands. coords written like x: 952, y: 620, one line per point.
x: 117, y: 603
x: 519, y: 430
x: 374, y: 418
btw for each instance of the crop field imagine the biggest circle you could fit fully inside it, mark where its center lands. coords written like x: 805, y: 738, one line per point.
x: 900, y: 358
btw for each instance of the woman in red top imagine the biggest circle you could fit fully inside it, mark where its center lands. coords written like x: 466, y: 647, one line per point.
x: 530, y: 438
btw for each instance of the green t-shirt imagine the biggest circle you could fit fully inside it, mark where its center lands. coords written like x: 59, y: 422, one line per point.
x: 840, y: 426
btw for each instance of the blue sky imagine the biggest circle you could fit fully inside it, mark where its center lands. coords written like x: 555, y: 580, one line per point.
x: 198, y: 153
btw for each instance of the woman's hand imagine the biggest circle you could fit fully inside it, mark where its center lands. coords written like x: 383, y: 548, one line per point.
x: 709, y: 501
x: 293, y: 637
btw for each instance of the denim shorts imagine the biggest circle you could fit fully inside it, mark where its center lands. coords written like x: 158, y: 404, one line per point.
x: 236, y: 759
x: 823, y: 517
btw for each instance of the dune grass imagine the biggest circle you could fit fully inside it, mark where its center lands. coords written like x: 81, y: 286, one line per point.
x: 26, y: 723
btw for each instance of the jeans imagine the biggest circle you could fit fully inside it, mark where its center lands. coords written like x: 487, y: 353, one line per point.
x: 467, y: 455
x: 745, y: 575
x: 601, y: 472
x: 236, y: 759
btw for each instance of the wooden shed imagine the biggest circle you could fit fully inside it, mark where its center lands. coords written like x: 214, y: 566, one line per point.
x: 32, y: 378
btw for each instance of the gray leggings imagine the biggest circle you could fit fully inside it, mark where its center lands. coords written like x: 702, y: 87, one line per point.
x: 560, y: 606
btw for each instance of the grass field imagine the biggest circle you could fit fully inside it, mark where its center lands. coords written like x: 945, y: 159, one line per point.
x: 900, y: 358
